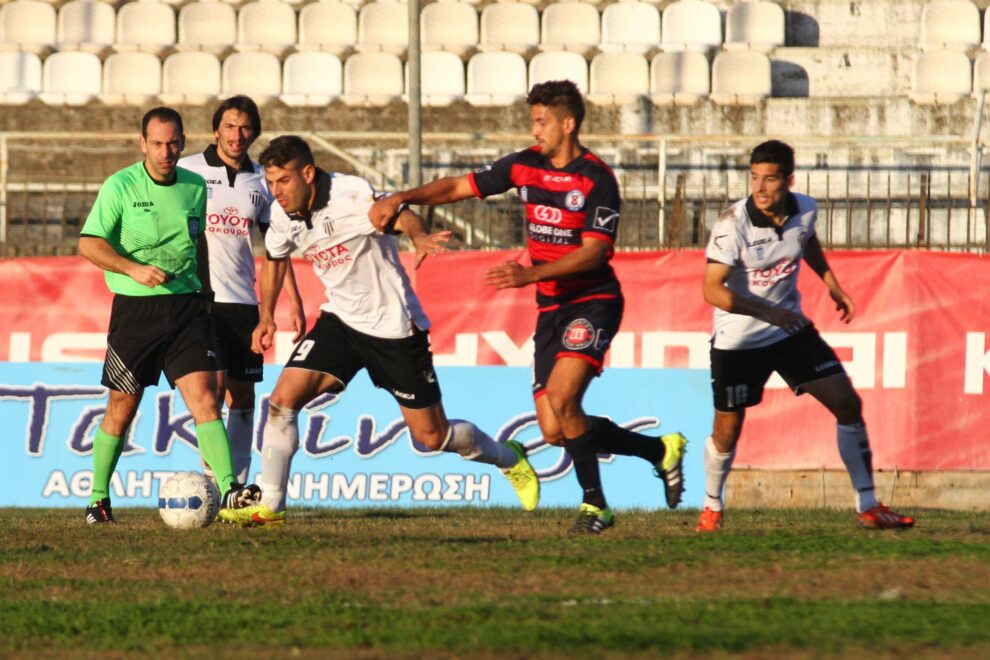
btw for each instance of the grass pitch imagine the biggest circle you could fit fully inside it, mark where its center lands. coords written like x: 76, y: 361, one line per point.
x: 495, y: 582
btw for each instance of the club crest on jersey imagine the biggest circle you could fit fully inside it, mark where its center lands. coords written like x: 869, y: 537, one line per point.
x: 574, y: 200
x: 606, y: 219
x: 578, y: 334
x: 257, y: 199
x: 193, y: 222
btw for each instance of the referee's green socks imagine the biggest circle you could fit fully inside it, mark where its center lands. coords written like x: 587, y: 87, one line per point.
x: 215, y: 449
x: 106, y: 451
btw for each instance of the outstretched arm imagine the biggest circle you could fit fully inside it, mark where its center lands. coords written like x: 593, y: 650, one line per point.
x: 102, y: 254
x: 814, y: 255
x: 592, y: 255
x: 718, y: 294
x: 442, y: 191
x: 412, y: 225
x: 272, y: 275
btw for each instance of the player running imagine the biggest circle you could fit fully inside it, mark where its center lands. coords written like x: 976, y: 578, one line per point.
x: 237, y: 201
x: 572, y: 217
x: 760, y: 328
x: 372, y: 320
x: 143, y: 231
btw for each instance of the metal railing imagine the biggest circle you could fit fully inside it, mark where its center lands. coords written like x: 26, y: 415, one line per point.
x: 918, y: 192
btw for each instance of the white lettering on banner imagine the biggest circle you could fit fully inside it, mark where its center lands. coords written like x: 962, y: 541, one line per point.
x: 465, y: 352
x: 378, y: 488
x: 977, y: 362
x: 432, y: 493
x: 139, y: 485
x: 622, y: 351
x: 894, y: 360
x: 56, y: 485
x: 862, y: 367
x: 314, y: 486
x: 401, y: 484
x: 56, y: 346
x: 502, y: 344
x: 656, y: 343
x: 20, y: 347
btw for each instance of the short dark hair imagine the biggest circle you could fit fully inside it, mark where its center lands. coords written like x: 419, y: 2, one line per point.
x: 560, y: 94
x: 284, y: 149
x: 243, y: 104
x: 163, y: 114
x: 776, y: 153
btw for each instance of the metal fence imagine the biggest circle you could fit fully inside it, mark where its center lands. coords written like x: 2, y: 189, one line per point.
x: 872, y: 193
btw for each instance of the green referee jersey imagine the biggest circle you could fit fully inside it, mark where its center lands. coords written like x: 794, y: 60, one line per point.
x: 151, y: 223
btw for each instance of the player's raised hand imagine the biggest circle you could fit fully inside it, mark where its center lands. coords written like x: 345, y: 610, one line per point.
x: 384, y: 211
x: 843, y: 304
x: 431, y: 244
x: 148, y: 275
x: 263, y: 336
x: 507, y: 275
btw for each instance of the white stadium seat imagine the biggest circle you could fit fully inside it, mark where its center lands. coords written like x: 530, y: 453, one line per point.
x: 950, y: 24
x: 329, y: 26
x: 630, y: 27
x: 266, y: 25
x: 754, y: 25
x: 618, y: 78
x: 145, y: 26
x: 441, y: 78
x: 384, y: 27
x: 190, y: 78
x: 86, y: 25
x: 572, y: 26
x: 311, y: 78
x: 740, y: 77
x: 372, y: 79
x: 208, y: 26
x: 451, y: 26
x: 27, y: 25
x: 258, y: 75
x: 20, y: 77
x: 496, y: 79
x: 682, y: 78
x: 560, y: 65
x: 691, y: 25
x: 131, y: 78
x: 510, y: 26
x: 981, y: 73
x: 941, y: 77
x: 70, y: 78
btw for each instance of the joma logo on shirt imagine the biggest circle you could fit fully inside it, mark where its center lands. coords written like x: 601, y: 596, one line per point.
x: 143, y: 205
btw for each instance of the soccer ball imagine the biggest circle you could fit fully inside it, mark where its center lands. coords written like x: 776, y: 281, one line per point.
x: 187, y: 500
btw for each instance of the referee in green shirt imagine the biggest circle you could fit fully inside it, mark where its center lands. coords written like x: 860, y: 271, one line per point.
x: 143, y: 231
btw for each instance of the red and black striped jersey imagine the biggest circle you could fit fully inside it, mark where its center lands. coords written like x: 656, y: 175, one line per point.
x: 562, y: 206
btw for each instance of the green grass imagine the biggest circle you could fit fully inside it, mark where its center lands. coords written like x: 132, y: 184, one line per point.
x: 495, y: 582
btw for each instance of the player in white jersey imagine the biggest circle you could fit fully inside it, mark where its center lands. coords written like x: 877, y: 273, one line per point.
x: 237, y: 202
x: 371, y: 320
x: 754, y: 256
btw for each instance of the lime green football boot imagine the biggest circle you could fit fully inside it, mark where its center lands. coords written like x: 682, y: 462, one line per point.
x: 523, y: 478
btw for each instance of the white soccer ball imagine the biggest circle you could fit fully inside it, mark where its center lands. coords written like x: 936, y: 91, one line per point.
x: 187, y: 500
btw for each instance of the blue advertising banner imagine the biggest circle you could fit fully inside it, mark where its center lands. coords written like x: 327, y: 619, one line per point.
x: 354, y: 449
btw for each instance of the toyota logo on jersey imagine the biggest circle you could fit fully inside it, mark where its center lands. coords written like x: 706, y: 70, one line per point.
x: 548, y: 214
x: 579, y: 334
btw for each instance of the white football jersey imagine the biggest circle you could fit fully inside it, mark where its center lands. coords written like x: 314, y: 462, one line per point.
x: 236, y: 201
x: 765, y: 264
x: 366, y: 285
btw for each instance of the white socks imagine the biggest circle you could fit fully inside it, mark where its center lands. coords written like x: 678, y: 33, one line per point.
x: 854, y: 448
x: 473, y: 444
x: 281, y: 440
x: 717, y: 466
x: 240, y: 430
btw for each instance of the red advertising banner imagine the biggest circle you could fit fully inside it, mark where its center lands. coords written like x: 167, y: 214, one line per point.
x: 917, y: 351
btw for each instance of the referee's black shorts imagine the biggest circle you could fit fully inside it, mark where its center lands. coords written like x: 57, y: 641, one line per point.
x: 152, y: 334
x: 233, y: 324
